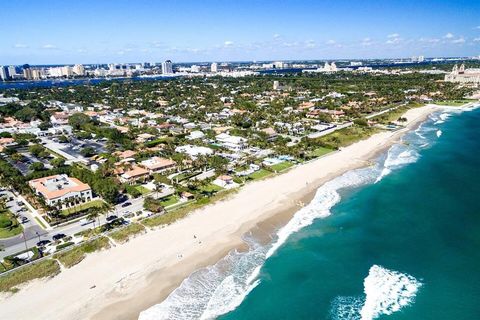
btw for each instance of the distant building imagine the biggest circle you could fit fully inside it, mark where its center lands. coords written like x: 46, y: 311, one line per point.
x: 459, y: 74
x: 214, y: 67
x: 61, y: 191
x: 79, y: 70
x: 167, y: 67
x: 195, y: 68
x: 4, y: 74
x: 12, y: 71
x: 27, y: 73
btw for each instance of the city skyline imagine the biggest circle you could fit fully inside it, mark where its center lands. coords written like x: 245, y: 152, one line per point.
x: 120, y: 32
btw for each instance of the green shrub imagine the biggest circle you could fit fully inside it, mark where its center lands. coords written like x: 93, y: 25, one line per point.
x: 42, y: 269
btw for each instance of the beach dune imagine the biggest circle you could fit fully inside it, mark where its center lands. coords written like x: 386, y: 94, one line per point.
x: 121, y: 282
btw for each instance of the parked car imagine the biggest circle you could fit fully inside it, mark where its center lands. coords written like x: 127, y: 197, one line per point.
x: 111, y: 218
x: 58, y: 236
x: 25, y: 220
x: 126, y: 204
x: 43, y: 243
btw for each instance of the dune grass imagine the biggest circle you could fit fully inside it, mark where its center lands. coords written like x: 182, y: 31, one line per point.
x: 74, y: 256
x: 124, y: 234
x: 38, y: 270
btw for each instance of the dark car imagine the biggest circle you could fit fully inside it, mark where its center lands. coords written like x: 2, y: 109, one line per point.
x: 58, y: 236
x: 25, y: 220
x: 111, y: 218
x: 126, y: 204
x: 43, y: 243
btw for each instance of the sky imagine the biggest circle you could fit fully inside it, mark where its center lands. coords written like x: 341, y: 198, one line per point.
x: 120, y: 31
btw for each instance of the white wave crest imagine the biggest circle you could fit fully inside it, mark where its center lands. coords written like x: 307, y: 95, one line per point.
x: 397, y: 156
x: 439, y: 133
x: 387, y: 292
x: 213, y: 291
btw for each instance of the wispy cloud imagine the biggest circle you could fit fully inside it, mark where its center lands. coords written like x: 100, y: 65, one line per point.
x: 449, y: 36
x: 366, y: 42
x: 458, y: 41
x: 476, y: 39
x: 393, y: 36
x: 20, y: 46
x: 49, y: 46
x: 228, y: 44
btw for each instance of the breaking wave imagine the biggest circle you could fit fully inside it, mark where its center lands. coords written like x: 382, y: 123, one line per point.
x: 220, y: 288
x: 385, y: 292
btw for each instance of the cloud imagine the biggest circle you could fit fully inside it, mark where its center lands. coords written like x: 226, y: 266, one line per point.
x: 393, y: 41
x: 477, y: 27
x: 228, y: 44
x: 276, y: 36
x: 331, y: 42
x: 448, y: 36
x: 310, y: 44
x: 49, y: 46
x: 476, y: 39
x: 393, y: 35
x: 459, y: 41
x: 366, y: 42
x: 20, y: 46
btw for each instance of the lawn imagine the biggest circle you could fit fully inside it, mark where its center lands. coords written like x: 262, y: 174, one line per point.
x: 83, y: 207
x: 320, y: 152
x: 281, y: 166
x: 142, y: 189
x: 345, y: 137
x: 9, y: 226
x: 168, y: 201
x: 455, y: 103
x: 260, y: 174
x: 210, y: 188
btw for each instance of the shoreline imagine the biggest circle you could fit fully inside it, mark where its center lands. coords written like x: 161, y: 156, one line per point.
x: 130, y: 278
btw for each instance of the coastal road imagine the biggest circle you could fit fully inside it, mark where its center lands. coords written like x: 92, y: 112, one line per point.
x: 34, y: 233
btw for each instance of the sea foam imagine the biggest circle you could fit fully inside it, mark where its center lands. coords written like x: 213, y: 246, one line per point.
x: 219, y: 289
x: 385, y: 292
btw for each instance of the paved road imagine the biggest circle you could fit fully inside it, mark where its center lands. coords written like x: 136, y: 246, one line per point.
x: 19, y: 243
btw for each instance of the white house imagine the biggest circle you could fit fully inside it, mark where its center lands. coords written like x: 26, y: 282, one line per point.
x: 233, y: 143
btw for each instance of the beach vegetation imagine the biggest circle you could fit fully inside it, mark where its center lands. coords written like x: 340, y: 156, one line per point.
x: 126, y: 233
x: 75, y: 255
x: 36, y: 270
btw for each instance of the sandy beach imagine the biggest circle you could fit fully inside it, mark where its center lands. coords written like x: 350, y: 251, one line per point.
x: 131, y: 277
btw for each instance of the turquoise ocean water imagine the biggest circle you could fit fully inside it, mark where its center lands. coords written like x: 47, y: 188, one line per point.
x: 398, y: 240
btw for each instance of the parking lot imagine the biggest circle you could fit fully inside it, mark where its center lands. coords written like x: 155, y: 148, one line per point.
x: 31, y: 229
x: 27, y: 159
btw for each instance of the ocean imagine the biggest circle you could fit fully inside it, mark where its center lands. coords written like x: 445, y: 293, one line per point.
x: 397, y: 240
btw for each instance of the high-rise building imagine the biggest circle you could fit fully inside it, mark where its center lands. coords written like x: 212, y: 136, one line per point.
x: 194, y: 68
x: 27, y: 73
x: 4, y: 75
x: 214, y: 67
x: 167, y: 67
x: 12, y: 71
x: 79, y: 70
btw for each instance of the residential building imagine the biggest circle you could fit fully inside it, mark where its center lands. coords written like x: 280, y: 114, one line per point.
x: 167, y: 67
x: 158, y: 164
x: 214, y: 67
x: 133, y: 175
x: 4, y: 75
x: 233, y: 143
x: 61, y: 190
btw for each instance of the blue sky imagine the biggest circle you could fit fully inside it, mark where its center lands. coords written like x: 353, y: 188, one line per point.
x: 86, y: 31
